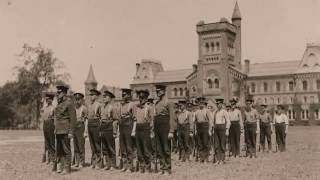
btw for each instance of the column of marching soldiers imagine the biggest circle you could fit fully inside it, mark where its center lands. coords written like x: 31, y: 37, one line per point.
x: 150, y: 131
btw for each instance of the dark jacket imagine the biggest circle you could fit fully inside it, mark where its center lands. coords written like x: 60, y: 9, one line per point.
x: 65, y: 117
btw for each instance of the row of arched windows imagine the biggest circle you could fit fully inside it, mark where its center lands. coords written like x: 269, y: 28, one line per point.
x: 179, y: 92
x: 213, y: 84
x: 290, y: 86
x: 212, y: 46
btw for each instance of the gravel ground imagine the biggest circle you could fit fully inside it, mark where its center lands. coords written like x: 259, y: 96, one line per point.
x: 21, y: 153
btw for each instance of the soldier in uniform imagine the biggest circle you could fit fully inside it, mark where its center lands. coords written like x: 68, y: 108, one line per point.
x: 65, y: 118
x: 265, y: 127
x: 143, y: 130
x: 94, y: 116
x: 281, y: 123
x: 108, y: 130
x: 81, y: 131
x: 185, y: 127
x: 202, y: 119
x: 125, y: 128
x: 164, y: 128
x: 48, y: 127
x: 236, y: 128
x: 220, y: 127
x: 251, y: 120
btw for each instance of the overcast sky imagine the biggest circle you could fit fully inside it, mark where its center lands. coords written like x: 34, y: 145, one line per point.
x: 113, y: 35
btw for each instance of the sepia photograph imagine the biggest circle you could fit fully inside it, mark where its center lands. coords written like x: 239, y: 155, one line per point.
x: 160, y: 89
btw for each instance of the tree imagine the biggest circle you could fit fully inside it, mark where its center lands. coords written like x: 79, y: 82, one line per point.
x: 39, y: 70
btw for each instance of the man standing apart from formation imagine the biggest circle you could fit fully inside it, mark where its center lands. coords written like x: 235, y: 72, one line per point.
x: 48, y: 127
x: 80, y: 131
x: 281, y: 123
x: 236, y: 128
x: 265, y: 127
x: 94, y: 116
x: 164, y: 128
x: 125, y: 128
x: 220, y: 126
x: 108, y: 130
x: 65, y: 118
x: 143, y: 130
x: 251, y: 120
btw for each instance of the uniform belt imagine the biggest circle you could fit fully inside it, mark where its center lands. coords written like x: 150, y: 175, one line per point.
x: 106, y: 121
x: 235, y: 122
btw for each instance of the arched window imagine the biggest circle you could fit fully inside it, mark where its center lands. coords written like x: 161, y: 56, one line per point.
x: 291, y: 85
x: 216, y: 83
x: 304, y: 85
x: 194, y: 89
x: 207, y: 47
x: 305, y: 99
x: 186, y: 92
x: 253, y: 87
x: 181, y: 91
x: 218, y: 46
x: 318, y: 84
x: 265, y: 87
x: 212, y: 46
x: 175, y: 92
x: 265, y: 100
x: 210, y: 84
x: 278, y: 86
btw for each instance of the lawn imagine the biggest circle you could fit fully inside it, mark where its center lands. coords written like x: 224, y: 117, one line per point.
x: 21, y: 153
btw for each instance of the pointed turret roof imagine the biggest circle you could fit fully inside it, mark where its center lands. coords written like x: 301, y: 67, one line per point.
x: 236, y: 12
x: 91, y: 78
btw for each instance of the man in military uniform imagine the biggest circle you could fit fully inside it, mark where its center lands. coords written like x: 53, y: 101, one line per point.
x: 251, y: 121
x: 143, y: 130
x: 108, y: 130
x: 202, y: 119
x: 81, y: 131
x: 164, y: 128
x: 281, y: 123
x: 236, y: 128
x: 265, y: 127
x: 125, y: 128
x: 65, y: 118
x: 94, y: 115
x: 185, y: 127
x: 220, y: 130
x: 48, y: 127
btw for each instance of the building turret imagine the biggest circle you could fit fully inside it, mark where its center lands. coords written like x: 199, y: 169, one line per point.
x: 236, y: 20
x: 91, y: 81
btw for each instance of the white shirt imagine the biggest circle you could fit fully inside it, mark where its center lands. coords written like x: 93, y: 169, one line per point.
x: 280, y: 118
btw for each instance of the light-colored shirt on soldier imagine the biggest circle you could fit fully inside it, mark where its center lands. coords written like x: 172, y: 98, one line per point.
x: 203, y: 115
x: 143, y: 114
x: 47, y: 113
x: 282, y: 118
x: 265, y: 117
x: 221, y: 117
x: 251, y: 116
x: 94, y: 110
x: 108, y: 112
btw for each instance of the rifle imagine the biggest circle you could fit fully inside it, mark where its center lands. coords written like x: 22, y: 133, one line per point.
x: 156, y: 156
x: 73, y: 162
x: 101, y: 149
x: 55, y: 161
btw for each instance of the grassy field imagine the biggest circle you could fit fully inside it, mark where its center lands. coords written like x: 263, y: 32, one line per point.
x: 21, y: 152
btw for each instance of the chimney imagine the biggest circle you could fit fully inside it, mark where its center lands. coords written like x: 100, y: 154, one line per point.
x: 137, y: 67
x: 195, y: 67
x: 246, y: 66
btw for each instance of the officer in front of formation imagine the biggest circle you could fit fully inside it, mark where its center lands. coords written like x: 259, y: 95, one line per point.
x: 125, y: 128
x: 202, y: 118
x: 65, y: 118
x: 164, y: 128
x: 108, y: 130
x: 265, y: 127
x: 252, y: 128
x: 220, y: 130
x: 143, y: 130
x: 185, y: 130
x: 94, y: 116
x: 47, y: 118
x: 80, y: 131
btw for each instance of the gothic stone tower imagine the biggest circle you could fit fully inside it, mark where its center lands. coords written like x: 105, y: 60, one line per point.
x: 219, y: 57
x: 91, y: 82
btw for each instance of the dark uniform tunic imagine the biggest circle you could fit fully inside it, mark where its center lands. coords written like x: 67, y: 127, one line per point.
x: 78, y: 139
x: 65, y: 118
x: 251, y: 120
x: 125, y: 128
x: 48, y: 131
x: 185, y: 127
x: 202, y: 120
x: 221, y: 124
x: 265, y: 130
x: 143, y: 115
x: 93, y: 132
x: 281, y: 121
x: 235, y: 130
x: 108, y: 130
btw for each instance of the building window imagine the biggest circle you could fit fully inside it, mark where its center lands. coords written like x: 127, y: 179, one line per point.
x: 210, y: 84
x: 290, y: 114
x: 265, y: 87
x: 278, y: 100
x: 265, y: 100
x: 305, y: 99
x: 291, y: 85
x: 305, y: 114
x: 318, y: 84
x: 218, y: 46
x: 175, y: 92
x: 216, y: 83
x: 181, y: 91
x: 278, y: 86
x: 212, y: 46
x: 194, y: 89
x: 253, y: 87
x: 291, y: 99
x: 186, y: 92
x: 311, y: 99
x: 207, y: 47
x: 317, y: 114
x: 304, y: 85
x: 271, y: 101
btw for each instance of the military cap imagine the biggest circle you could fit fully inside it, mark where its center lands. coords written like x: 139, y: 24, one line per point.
x: 94, y: 92
x: 190, y: 104
x: 143, y: 93
x: 126, y: 91
x: 233, y: 101
x: 108, y: 93
x: 61, y: 86
x: 219, y: 100
x: 249, y: 100
x: 151, y: 100
x: 228, y: 105
x: 49, y: 95
x: 280, y: 106
x: 201, y: 99
x: 263, y: 105
x: 182, y: 102
x: 78, y: 95
x: 160, y: 87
